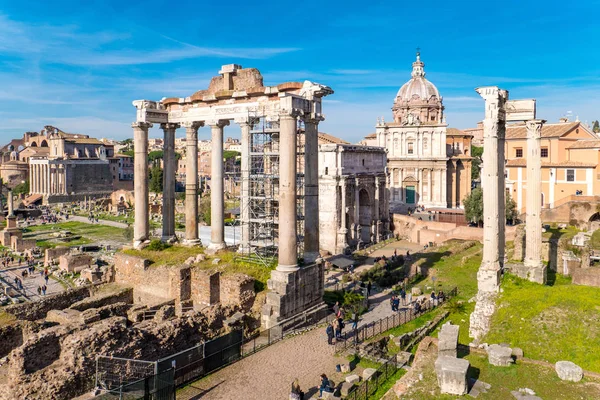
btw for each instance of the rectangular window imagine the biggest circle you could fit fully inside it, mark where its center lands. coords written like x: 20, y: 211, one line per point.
x: 410, y: 147
x: 544, y: 152
x: 570, y: 175
x: 519, y: 153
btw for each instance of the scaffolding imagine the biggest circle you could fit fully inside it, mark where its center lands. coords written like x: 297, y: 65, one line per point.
x: 260, y: 188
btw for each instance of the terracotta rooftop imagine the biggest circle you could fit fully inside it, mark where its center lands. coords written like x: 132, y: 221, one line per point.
x: 522, y: 162
x: 585, y: 144
x: 371, y: 136
x: 325, y: 138
x: 548, y: 130
x: 456, y: 132
x: 84, y: 141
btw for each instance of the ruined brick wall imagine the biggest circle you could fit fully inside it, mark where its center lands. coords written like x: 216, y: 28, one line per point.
x: 237, y: 290
x: 152, y: 284
x: 586, y: 276
x: 124, y: 295
x: 35, y: 310
x: 54, y: 254
x: 74, y: 262
x: 11, y: 336
x: 206, y: 288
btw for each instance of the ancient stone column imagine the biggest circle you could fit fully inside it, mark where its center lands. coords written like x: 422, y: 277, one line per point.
x: 217, y: 194
x: 488, y: 276
x: 168, y: 205
x: 191, y: 183
x: 311, y: 190
x: 11, y: 210
x: 141, y: 227
x: 533, y: 236
x: 342, y: 242
x: 288, y: 252
x: 376, y: 210
x: 245, y: 126
x: 356, y: 210
x: 502, y: 191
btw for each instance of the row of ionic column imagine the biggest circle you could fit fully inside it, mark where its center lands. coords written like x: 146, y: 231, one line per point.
x: 47, y: 179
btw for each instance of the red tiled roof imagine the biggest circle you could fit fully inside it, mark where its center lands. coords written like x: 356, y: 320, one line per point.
x: 585, y: 144
x: 548, y: 130
x: 522, y: 162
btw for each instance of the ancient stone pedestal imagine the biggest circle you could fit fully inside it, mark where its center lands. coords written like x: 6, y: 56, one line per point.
x: 568, y: 371
x: 448, y: 340
x: 499, y: 356
x: 452, y: 374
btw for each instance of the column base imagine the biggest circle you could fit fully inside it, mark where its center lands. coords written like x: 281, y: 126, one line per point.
x: 287, y: 268
x: 140, y: 244
x: 169, y: 239
x: 488, y: 278
x: 192, y: 242
x: 214, y: 247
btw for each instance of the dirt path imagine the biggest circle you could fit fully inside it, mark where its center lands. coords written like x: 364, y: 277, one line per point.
x: 269, y: 373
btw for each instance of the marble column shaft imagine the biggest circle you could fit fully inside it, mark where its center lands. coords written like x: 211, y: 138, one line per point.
x: 245, y: 189
x: 311, y: 190
x: 489, y: 273
x: 533, y: 227
x: 191, y: 182
x: 502, y: 190
x: 168, y: 205
x: 217, y: 194
x: 141, y: 227
x: 288, y: 252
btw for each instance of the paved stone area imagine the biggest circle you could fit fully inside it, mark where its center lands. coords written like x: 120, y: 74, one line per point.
x: 30, y: 283
x: 269, y: 373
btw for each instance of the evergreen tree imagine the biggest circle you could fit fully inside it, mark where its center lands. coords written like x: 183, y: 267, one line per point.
x: 596, y: 126
x: 474, y: 206
x: 156, y: 179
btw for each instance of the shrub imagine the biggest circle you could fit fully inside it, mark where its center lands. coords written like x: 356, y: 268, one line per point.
x: 157, y: 245
x: 128, y: 233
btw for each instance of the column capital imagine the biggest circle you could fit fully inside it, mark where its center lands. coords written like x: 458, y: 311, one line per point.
x: 217, y: 123
x: 242, y: 121
x: 193, y: 125
x: 534, y: 128
x: 308, y: 119
x: 169, y: 126
x: 292, y: 114
x: 141, y: 125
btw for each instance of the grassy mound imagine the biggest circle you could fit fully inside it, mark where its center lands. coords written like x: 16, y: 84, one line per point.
x: 552, y: 323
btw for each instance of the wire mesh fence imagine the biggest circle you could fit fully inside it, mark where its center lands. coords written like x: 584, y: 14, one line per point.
x: 114, y: 372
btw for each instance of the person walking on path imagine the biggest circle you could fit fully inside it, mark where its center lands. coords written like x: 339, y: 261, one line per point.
x: 403, y: 296
x: 369, y: 288
x: 355, y: 318
x: 44, y: 288
x: 336, y: 328
x: 329, y: 332
x: 336, y: 308
x: 39, y: 290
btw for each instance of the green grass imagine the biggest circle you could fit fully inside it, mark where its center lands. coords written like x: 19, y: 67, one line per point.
x: 6, y: 318
x: 595, y: 240
x: 174, y: 255
x: 387, y: 385
x: 414, y: 324
x: 552, y: 323
x: 92, y: 231
x: 556, y: 233
x: 503, y: 380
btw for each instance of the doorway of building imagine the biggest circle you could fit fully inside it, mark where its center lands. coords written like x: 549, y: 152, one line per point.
x: 410, y: 195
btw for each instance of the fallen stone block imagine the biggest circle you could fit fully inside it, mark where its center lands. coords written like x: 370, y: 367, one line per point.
x: 353, y: 378
x: 64, y: 317
x: 216, y: 261
x: 452, y: 374
x: 448, y: 340
x: 345, y: 368
x: 345, y: 388
x: 517, y: 352
x: 568, y: 371
x: 415, y: 291
x: 368, y: 373
x: 499, y: 356
x: 524, y: 396
x: 403, y: 358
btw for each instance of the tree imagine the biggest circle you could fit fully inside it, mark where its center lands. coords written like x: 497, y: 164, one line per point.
x: 155, y: 156
x: 511, y: 209
x: 227, y: 154
x: 204, y: 209
x: 156, y: 179
x: 476, y: 153
x: 596, y: 126
x: 22, y: 188
x: 474, y: 206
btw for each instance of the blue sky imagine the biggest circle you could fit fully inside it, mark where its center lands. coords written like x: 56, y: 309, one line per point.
x: 78, y: 65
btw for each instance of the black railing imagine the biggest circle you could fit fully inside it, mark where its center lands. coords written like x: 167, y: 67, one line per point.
x: 153, y: 387
x: 401, y: 317
x: 368, y: 387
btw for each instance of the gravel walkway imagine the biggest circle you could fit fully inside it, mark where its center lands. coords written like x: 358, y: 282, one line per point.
x: 269, y: 373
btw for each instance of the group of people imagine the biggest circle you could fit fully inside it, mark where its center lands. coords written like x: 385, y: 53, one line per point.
x: 297, y: 393
x: 42, y: 289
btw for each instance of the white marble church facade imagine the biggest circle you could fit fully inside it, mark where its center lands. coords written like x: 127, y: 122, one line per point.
x: 416, y: 144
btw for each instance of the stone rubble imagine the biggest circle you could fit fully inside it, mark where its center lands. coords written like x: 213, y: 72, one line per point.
x: 568, y: 371
x: 499, y: 356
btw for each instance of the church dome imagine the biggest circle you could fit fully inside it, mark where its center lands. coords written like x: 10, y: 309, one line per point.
x: 417, y: 85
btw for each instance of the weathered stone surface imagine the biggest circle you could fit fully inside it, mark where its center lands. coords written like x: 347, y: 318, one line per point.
x: 452, y: 374
x: 35, y: 310
x: 345, y: 388
x: 568, y: 371
x: 119, y: 295
x: 368, y: 373
x: 353, y: 378
x: 64, y: 316
x: 164, y: 313
x: 74, y: 262
x: 345, y: 368
x: 448, y: 340
x: 480, y: 319
x: 517, y: 352
x: 415, y: 291
x: 499, y: 356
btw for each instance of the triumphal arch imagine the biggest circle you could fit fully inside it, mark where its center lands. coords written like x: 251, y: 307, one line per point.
x: 279, y: 178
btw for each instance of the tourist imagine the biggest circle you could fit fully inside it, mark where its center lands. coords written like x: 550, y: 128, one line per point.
x: 441, y: 296
x: 329, y: 332
x: 433, y: 298
x: 396, y: 304
x: 336, y: 308
x: 297, y: 393
x: 355, y: 318
x: 369, y: 288
x: 403, y: 296
x: 325, y: 385
x: 392, y: 302
x: 44, y: 288
x: 39, y: 290
x: 336, y: 327
x: 46, y: 279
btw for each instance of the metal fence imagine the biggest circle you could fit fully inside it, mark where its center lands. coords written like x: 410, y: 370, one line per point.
x: 153, y: 387
x: 368, y: 387
x: 365, y: 332
x: 114, y: 372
